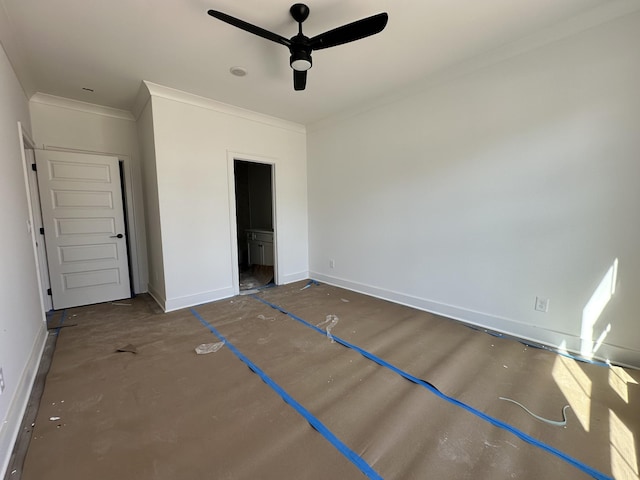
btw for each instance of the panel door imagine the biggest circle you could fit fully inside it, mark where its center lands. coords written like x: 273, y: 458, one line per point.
x: 83, y: 215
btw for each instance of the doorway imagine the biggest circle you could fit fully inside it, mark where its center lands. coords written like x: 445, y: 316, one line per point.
x: 254, y: 224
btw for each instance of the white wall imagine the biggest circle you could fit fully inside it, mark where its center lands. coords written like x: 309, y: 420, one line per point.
x: 195, y: 140
x: 66, y: 124
x: 475, y: 195
x: 22, y: 326
x: 151, y: 202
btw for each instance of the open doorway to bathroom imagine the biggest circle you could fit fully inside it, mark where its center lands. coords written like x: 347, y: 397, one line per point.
x: 254, y: 222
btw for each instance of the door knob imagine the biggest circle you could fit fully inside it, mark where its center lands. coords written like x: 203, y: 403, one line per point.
x: 117, y: 236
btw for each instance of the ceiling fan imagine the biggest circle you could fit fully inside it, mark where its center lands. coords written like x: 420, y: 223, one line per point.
x: 301, y: 46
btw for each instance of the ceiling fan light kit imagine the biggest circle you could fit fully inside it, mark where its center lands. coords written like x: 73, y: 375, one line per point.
x: 300, y: 61
x: 301, y: 46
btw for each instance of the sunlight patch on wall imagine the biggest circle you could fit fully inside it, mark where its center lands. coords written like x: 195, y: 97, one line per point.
x: 624, y: 463
x: 594, y: 308
x: 575, y: 386
x: 601, y: 338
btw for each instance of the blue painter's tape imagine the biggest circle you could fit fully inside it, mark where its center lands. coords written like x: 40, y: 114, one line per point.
x: 568, y: 355
x: 309, y: 283
x: 352, y: 456
x: 539, y: 346
x: 64, y: 314
x: 493, y: 421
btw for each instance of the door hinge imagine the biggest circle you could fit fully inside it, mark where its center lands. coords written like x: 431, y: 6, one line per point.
x: 34, y: 167
x: 48, y: 291
x: 41, y: 230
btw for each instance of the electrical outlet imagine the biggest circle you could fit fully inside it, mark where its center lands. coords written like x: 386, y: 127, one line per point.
x: 332, y: 263
x: 542, y: 304
x: 1, y: 381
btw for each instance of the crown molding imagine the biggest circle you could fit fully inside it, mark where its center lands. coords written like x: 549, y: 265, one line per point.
x: 169, y: 93
x: 46, y: 99
x: 142, y: 98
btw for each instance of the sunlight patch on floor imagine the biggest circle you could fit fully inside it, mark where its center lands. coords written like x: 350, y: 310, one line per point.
x: 619, y: 381
x: 624, y: 463
x: 576, y: 387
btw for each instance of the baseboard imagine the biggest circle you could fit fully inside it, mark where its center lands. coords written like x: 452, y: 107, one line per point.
x: 293, y: 277
x: 561, y: 341
x: 171, y: 304
x: 198, y: 299
x: 10, y: 428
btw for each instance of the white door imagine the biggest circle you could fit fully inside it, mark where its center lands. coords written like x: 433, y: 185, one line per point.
x: 83, y: 214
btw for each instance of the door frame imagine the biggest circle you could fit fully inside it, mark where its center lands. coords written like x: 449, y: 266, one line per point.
x: 233, y: 225
x: 33, y: 202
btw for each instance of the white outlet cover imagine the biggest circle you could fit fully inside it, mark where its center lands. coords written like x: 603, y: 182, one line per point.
x: 542, y: 304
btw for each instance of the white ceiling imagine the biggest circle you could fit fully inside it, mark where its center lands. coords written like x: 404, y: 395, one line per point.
x: 58, y: 47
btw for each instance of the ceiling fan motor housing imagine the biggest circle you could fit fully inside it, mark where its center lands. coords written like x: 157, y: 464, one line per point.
x: 300, y: 47
x: 300, y: 53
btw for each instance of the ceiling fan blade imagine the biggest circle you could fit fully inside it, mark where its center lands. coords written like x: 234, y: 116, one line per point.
x: 299, y: 79
x: 261, y: 32
x: 350, y: 32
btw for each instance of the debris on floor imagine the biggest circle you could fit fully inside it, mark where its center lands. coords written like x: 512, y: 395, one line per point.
x: 255, y: 277
x: 209, y: 348
x: 127, y: 348
x: 332, y: 321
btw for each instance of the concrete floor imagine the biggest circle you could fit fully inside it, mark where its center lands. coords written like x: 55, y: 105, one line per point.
x: 420, y: 400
